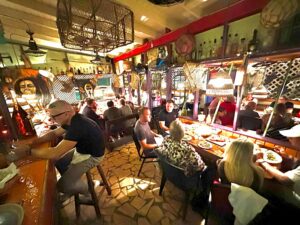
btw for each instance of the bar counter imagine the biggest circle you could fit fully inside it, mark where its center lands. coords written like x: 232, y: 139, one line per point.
x: 34, y: 189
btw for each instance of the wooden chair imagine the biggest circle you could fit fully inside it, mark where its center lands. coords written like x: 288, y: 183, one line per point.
x: 249, y: 123
x: 145, y: 154
x: 220, y: 210
x: 94, y: 200
x: 189, y: 184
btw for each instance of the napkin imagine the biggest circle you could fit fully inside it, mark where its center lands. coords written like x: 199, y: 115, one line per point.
x: 246, y: 203
x: 159, y: 140
x: 7, y: 173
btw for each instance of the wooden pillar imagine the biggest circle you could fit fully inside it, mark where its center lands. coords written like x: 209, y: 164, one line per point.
x: 149, y: 88
x: 6, y: 115
x: 139, y: 92
x: 169, y: 84
x: 169, y: 49
x: 129, y: 87
x: 196, y: 105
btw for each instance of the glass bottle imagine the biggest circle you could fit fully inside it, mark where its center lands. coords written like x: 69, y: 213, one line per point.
x: 220, y: 47
x: 209, y: 49
x: 242, y: 47
x: 214, y: 48
x: 22, y: 121
x: 204, y: 50
x: 200, y: 51
x: 253, y: 43
x: 234, y: 45
x: 228, y: 46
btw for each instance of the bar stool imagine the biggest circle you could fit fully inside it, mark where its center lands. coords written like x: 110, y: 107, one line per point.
x: 94, y: 200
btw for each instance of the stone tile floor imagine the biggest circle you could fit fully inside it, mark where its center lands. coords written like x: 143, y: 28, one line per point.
x: 134, y: 200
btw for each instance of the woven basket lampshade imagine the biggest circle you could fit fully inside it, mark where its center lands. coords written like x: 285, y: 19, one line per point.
x: 220, y: 85
x: 185, y: 44
x: 278, y: 11
x: 95, y: 25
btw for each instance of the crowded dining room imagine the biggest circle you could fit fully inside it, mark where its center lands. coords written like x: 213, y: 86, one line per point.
x: 141, y: 112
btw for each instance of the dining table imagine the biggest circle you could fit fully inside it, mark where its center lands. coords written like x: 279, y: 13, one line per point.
x: 271, y: 189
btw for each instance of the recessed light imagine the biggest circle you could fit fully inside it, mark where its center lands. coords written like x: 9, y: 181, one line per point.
x: 144, y: 18
x: 204, y: 0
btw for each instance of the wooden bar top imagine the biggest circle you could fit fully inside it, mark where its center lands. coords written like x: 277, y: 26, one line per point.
x: 34, y: 189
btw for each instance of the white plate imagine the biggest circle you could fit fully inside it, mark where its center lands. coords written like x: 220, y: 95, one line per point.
x: 205, y: 145
x: 272, y: 157
x: 11, y: 214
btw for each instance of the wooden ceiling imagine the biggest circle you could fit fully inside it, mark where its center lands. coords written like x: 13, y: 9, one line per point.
x: 40, y: 17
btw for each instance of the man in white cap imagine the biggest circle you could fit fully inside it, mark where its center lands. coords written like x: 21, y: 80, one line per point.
x: 290, y: 178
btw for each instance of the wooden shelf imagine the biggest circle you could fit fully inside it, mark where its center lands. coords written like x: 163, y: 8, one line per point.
x: 276, y: 55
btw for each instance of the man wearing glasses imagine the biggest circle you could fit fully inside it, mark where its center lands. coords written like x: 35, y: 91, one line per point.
x: 80, y: 132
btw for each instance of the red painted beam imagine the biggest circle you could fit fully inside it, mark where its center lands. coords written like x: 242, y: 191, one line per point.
x: 237, y: 11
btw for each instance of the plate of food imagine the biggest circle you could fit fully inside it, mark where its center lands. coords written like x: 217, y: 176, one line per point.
x: 218, y: 140
x: 187, y: 137
x: 272, y: 157
x: 204, y: 145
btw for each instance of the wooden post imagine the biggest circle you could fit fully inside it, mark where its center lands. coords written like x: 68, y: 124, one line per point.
x: 196, y: 105
x: 169, y: 84
x: 139, y: 91
x: 240, y: 93
x: 6, y: 115
x: 149, y: 87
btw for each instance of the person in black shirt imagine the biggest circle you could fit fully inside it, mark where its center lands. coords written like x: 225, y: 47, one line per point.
x: 90, y: 112
x: 167, y: 116
x: 283, y: 99
x: 80, y: 132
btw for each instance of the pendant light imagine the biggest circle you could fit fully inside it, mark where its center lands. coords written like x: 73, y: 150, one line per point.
x: 220, y: 84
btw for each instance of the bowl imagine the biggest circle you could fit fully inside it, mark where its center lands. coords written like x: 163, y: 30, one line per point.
x: 11, y: 214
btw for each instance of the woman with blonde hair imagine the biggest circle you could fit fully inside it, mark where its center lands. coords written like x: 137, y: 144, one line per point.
x: 238, y: 166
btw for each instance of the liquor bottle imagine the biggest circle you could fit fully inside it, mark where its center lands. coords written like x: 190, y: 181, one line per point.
x: 242, y: 47
x: 234, y: 45
x: 214, y: 48
x: 228, y: 46
x: 204, y: 50
x: 220, y: 47
x: 209, y: 47
x: 200, y: 52
x: 22, y: 121
x: 253, y: 44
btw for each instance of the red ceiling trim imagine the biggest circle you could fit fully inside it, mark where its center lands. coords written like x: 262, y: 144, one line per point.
x: 237, y: 11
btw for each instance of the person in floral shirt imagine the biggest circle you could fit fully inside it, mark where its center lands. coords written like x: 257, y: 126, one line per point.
x: 180, y: 153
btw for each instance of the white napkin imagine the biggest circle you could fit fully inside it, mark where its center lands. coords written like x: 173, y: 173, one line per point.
x: 246, y: 203
x: 159, y: 140
x: 7, y: 173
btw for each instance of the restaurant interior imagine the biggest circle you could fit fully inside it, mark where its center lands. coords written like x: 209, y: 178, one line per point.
x: 203, y: 79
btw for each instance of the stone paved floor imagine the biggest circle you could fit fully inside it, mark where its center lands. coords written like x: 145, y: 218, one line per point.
x: 134, y: 200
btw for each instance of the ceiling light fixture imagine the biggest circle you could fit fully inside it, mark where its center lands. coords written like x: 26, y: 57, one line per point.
x: 144, y: 18
x: 166, y: 2
x: 91, y: 25
x: 33, y: 49
x: 97, y: 59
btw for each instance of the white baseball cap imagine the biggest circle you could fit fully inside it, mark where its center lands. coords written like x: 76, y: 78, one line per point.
x: 293, y: 132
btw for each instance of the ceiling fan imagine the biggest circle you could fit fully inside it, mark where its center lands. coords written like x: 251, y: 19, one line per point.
x: 166, y: 2
x: 33, y: 49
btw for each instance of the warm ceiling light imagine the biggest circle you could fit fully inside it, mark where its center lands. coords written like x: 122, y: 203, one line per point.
x: 204, y: 0
x: 220, y: 85
x: 144, y: 18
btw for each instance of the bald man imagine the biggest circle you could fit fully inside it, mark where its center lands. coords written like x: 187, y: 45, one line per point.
x: 80, y: 132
